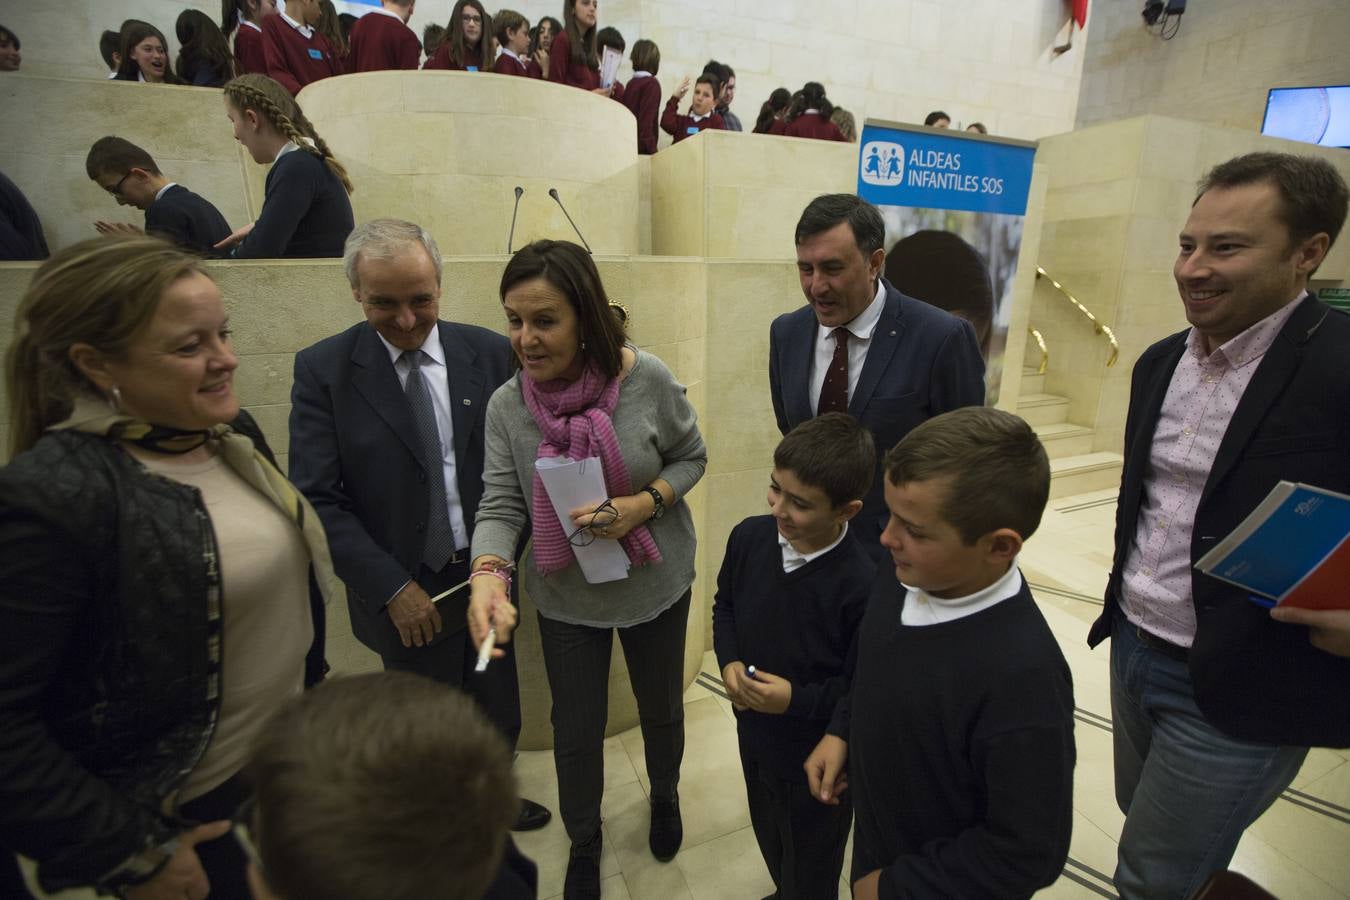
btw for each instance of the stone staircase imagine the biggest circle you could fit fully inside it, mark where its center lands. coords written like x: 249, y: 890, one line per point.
x: 1074, y: 467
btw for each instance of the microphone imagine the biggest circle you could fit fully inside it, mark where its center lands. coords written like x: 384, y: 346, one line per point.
x: 512, y: 234
x: 553, y: 192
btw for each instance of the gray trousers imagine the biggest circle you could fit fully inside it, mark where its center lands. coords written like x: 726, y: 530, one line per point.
x: 577, y: 660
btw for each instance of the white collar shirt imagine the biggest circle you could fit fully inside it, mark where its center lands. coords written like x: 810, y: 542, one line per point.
x: 305, y: 30
x: 860, y: 338
x: 793, y: 560
x: 922, y: 608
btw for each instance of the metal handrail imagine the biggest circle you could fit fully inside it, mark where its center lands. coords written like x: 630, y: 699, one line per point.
x: 1097, y: 326
x: 1045, y: 352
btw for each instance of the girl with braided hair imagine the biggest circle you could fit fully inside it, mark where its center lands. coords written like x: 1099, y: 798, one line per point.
x: 306, y: 211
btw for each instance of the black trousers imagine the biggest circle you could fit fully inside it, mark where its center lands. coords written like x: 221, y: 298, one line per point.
x: 576, y: 658
x: 801, y: 839
x: 451, y: 659
x: 223, y: 859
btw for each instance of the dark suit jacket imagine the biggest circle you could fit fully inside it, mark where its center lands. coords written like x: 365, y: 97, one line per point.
x: 1254, y: 678
x: 354, y: 453
x: 922, y: 362
x: 188, y: 220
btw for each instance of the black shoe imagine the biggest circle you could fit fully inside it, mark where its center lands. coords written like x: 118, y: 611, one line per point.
x: 532, y: 816
x: 583, y: 870
x: 667, y: 831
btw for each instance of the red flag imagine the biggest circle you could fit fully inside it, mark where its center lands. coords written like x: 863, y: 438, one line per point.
x: 1080, y: 12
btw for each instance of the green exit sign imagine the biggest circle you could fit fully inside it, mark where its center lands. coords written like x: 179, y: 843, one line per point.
x: 1337, y: 298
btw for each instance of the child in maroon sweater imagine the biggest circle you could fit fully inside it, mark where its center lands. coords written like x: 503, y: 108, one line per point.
x: 468, y: 45
x: 642, y: 94
x: 810, y: 114
x: 381, y: 39
x: 513, y: 34
x: 701, y: 115
x: 573, y: 58
x: 296, y: 53
x: 247, y: 16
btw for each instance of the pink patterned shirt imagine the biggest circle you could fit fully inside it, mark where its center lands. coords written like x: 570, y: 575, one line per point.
x: 1195, y: 414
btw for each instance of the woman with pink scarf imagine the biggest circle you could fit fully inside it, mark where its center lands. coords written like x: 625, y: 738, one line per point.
x: 584, y: 392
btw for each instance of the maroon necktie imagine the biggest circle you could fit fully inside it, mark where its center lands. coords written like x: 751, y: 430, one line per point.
x: 834, y: 392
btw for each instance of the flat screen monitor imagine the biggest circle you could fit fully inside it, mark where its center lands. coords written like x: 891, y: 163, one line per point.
x: 1314, y: 115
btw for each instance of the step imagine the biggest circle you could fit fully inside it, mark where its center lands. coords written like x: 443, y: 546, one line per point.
x: 1083, y: 473
x: 1043, y: 409
x: 1065, y: 439
x: 1032, y: 381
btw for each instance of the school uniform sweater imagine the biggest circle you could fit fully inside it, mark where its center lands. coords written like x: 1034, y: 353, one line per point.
x: 188, y: 220
x: 800, y: 625
x: 507, y: 64
x: 294, y: 60
x: 441, y: 60
x: 380, y: 41
x: 961, y: 750
x: 248, y: 49
x: 642, y: 96
x: 306, y: 211
x: 680, y: 127
x: 813, y: 125
x: 777, y: 126
x: 563, y: 70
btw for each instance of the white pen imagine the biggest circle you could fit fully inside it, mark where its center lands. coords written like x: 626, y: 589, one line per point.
x: 485, y: 650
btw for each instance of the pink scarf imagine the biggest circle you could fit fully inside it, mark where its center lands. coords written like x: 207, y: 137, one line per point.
x: 575, y: 421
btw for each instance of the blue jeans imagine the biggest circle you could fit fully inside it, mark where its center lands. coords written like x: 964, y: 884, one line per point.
x: 1188, y: 791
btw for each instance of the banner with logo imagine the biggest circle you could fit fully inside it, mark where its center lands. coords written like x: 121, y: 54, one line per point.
x: 953, y: 203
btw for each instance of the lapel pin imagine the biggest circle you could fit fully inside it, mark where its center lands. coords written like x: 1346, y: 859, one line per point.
x: 892, y: 334
x: 467, y: 402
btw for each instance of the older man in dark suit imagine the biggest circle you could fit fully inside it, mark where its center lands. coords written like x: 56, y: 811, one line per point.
x: 862, y: 347
x: 387, y: 443
x: 1214, y: 700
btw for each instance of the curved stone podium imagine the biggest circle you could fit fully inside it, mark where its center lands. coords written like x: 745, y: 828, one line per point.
x: 447, y: 150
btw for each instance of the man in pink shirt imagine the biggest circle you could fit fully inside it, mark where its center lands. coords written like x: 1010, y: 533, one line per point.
x: 1214, y: 701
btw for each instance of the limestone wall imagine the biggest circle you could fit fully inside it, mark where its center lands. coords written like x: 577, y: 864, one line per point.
x: 1111, y: 219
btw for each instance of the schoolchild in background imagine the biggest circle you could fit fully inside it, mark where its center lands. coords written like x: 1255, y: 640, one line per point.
x: 173, y: 212
x: 610, y: 37
x: 513, y: 34
x: 204, y: 57
x: 468, y: 45
x: 642, y: 94
x: 726, y: 77
x: 701, y: 116
x: 958, y: 726
x: 773, y: 111
x: 330, y: 26
x: 295, y: 50
x: 432, y: 36
x: 844, y: 121
x: 110, y: 48
x: 247, y: 16
x: 10, y: 57
x: 810, y: 115
x: 790, y: 596
x: 144, y: 54
x: 381, y: 39
x: 306, y: 211
x: 574, y: 58
x: 542, y: 35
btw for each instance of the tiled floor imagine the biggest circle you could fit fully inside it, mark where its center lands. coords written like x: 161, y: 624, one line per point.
x: 1298, y: 849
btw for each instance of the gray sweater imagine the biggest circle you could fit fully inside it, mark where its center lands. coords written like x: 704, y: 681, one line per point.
x: 659, y: 437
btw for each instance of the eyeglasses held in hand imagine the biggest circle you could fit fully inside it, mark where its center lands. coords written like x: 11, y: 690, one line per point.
x: 603, y: 516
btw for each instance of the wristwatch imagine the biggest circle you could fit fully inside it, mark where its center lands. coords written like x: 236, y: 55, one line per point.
x: 659, y: 509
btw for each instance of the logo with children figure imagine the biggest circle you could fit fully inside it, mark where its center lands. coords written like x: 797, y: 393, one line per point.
x: 883, y: 163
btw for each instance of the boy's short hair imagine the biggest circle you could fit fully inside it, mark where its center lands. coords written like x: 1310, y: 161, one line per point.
x: 109, y: 42
x: 117, y: 156
x: 610, y: 37
x: 9, y: 37
x: 711, y: 81
x: 505, y: 20
x: 646, y: 56
x: 998, y: 473
x: 381, y: 786
x: 834, y: 453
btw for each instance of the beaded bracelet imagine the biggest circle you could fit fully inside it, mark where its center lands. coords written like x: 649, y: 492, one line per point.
x: 496, y: 573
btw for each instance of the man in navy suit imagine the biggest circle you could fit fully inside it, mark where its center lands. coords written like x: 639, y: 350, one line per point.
x: 862, y: 347
x: 1214, y: 700
x: 386, y: 426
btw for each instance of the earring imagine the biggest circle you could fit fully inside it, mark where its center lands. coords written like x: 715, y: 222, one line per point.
x: 116, y: 400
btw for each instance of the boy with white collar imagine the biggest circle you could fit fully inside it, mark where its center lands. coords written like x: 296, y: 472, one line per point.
x: 958, y: 729
x: 296, y: 53
x: 381, y: 39
x: 702, y: 115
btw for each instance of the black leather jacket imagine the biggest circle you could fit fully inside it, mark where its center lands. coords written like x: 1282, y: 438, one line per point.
x: 107, y: 694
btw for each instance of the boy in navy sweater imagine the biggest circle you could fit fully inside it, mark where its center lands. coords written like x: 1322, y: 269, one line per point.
x: 171, y: 210
x: 790, y: 595
x: 958, y: 729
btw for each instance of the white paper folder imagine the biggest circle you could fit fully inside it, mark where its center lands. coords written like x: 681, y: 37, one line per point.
x: 581, y: 482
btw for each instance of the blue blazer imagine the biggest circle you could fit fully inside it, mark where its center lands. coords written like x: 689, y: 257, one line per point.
x: 922, y: 362
x: 354, y: 454
x: 1254, y: 678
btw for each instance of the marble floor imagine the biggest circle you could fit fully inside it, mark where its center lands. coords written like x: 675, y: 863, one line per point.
x: 1299, y: 849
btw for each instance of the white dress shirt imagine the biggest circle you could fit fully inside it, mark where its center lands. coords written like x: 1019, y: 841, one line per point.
x: 160, y: 193
x: 922, y: 608
x: 793, y: 560
x: 860, y: 338
x: 438, y: 383
x: 306, y: 30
